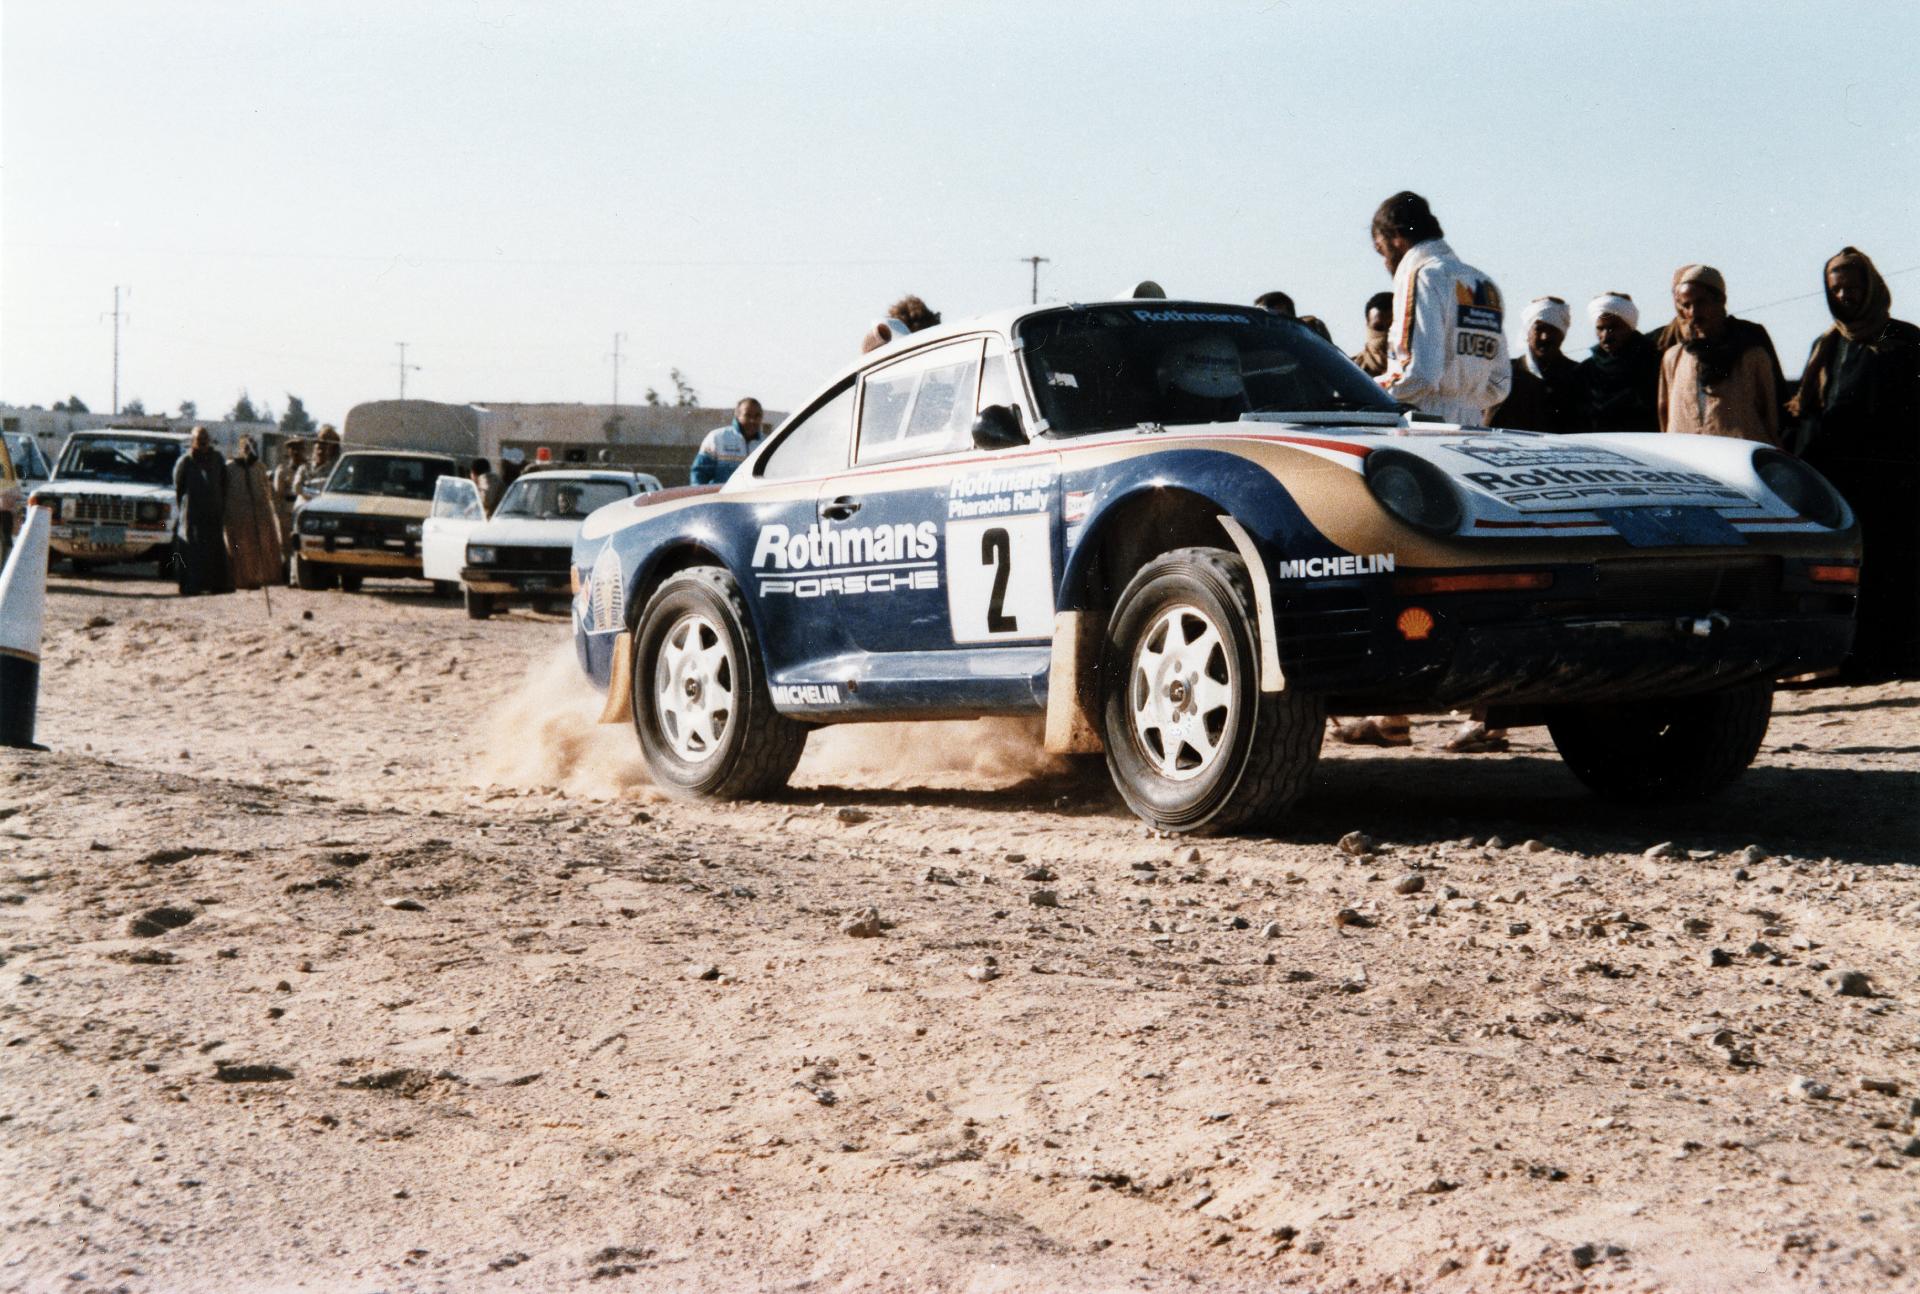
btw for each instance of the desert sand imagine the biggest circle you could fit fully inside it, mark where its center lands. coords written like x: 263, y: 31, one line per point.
x: 342, y: 951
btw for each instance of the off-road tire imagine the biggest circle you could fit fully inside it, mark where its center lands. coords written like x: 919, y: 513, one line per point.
x: 479, y: 605
x: 446, y: 589
x: 310, y: 577
x: 1664, y: 751
x: 350, y: 583
x: 1269, y: 742
x: 759, y: 746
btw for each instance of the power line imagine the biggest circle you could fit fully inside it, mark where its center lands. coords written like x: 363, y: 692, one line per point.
x: 1808, y: 296
x: 404, y: 366
x: 116, y: 345
x: 1036, y: 262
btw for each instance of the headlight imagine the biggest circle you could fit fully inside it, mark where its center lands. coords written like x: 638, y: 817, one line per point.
x: 148, y: 513
x: 1414, y: 491
x: 319, y: 525
x: 479, y: 555
x: 413, y: 530
x: 1801, y: 488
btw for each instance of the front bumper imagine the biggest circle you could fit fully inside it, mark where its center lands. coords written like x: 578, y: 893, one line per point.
x: 107, y: 542
x: 1598, y: 634
x: 514, y: 585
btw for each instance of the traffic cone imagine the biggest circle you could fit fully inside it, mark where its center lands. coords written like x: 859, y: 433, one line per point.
x: 23, y: 604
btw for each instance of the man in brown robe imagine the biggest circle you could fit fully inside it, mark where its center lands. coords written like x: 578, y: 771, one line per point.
x: 253, y: 530
x: 200, y: 491
x: 1721, y: 379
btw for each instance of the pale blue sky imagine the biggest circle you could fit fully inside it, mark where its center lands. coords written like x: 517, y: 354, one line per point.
x: 292, y: 188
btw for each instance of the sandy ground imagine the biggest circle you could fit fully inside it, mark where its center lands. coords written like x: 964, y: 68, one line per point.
x: 342, y: 952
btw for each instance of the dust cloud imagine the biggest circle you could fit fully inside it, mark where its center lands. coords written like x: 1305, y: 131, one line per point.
x: 546, y: 736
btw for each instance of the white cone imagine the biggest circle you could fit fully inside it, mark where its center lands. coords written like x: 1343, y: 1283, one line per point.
x: 23, y: 606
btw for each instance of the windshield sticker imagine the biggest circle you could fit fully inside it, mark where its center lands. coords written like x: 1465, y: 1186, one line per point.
x: 1190, y: 316
x: 1313, y: 568
x: 1063, y: 379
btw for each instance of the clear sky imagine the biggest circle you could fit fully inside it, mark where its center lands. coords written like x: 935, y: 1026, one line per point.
x: 291, y: 188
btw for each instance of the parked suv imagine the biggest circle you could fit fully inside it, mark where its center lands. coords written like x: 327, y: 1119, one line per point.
x: 367, y: 519
x: 112, y: 497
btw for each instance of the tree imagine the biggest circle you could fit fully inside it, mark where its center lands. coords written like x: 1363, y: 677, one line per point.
x: 684, y: 395
x: 243, y: 410
x: 653, y: 397
x: 72, y: 404
x: 188, y: 409
x: 296, y: 421
x: 135, y: 408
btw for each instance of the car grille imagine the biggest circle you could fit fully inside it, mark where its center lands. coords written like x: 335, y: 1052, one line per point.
x: 1675, y: 585
x: 533, y: 559
x: 109, y: 508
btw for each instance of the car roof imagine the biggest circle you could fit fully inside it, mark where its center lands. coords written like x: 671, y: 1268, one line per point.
x: 398, y: 453
x: 620, y: 474
x: 124, y: 433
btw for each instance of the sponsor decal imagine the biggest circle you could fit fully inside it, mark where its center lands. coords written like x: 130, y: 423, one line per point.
x: 1477, y: 307
x: 604, y: 606
x: 779, y: 549
x: 993, y: 494
x: 798, y: 694
x: 1079, y: 504
x: 1308, y: 568
x: 1496, y: 454
x: 1190, y: 316
x: 898, y: 580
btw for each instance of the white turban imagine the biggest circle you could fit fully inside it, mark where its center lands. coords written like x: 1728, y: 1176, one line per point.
x: 1551, y: 311
x: 1617, y: 304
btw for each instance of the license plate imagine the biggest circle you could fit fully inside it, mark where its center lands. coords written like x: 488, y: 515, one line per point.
x: 107, y: 535
x: 536, y: 582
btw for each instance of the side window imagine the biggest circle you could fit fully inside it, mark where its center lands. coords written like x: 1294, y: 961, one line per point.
x: 816, y: 445
x: 456, y: 497
x: 996, y: 387
x: 920, y: 405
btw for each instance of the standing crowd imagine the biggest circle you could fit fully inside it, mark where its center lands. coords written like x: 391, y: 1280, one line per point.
x: 236, y: 522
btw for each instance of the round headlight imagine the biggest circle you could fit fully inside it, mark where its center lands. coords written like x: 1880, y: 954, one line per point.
x: 1414, y: 491
x: 1801, y: 488
x: 149, y: 512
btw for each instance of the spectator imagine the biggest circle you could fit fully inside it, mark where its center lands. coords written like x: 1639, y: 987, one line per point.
x: 293, y: 457
x: 512, y: 463
x: 1372, y: 358
x: 1317, y: 326
x: 200, y: 492
x: 1446, y: 355
x: 724, y: 448
x: 487, y: 483
x: 1721, y: 379
x: 253, y: 532
x: 312, y: 478
x: 1622, y: 375
x: 1859, y: 411
x: 907, y: 315
x: 1547, y: 392
x: 1278, y: 303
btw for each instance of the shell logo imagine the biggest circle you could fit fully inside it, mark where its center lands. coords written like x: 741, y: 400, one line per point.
x: 1415, y: 624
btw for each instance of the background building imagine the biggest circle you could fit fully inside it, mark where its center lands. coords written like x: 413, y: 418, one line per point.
x: 50, y: 428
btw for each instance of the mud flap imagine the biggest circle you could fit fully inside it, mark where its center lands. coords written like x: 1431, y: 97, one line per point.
x: 619, y: 707
x: 1272, y: 678
x: 1072, y: 695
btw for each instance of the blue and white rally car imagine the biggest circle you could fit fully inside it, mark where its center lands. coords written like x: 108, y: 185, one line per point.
x: 1185, y: 533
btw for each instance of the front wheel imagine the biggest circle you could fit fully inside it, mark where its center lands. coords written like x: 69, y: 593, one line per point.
x: 701, y: 706
x: 1664, y: 751
x: 351, y: 583
x: 1193, y: 744
x: 310, y: 577
x: 479, y: 605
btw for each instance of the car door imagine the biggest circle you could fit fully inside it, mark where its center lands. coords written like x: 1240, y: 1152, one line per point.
x: 443, y: 535
x: 948, y: 551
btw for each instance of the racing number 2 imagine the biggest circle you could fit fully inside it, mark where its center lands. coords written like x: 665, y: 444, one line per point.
x: 1000, y: 577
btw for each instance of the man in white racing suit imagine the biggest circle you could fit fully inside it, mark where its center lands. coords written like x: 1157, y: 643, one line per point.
x: 1447, y: 354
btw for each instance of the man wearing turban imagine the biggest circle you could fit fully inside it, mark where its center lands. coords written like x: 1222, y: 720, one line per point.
x: 1722, y: 378
x: 1549, y: 393
x: 1858, y: 410
x: 1622, y: 375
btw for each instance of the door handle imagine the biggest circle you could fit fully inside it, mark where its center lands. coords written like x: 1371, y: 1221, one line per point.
x: 841, y: 508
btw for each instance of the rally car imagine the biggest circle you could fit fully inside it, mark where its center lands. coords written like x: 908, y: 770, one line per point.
x: 1186, y: 532
x: 367, y: 520
x: 112, y: 497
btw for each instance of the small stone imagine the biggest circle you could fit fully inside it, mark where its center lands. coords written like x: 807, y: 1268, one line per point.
x: 1357, y: 843
x: 1584, y: 1256
x: 1752, y: 856
x: 1848, y: 983
x: 1016, y: 858
x: 1742, y: 874
x: 939, y: 876
x: 1439, y: 1186
x: 1495, y: 842
x: 983, y: 973
x: 232, y: 1072
x: 1696, y: 925
x: 1665, y: 849
x: 1271, y: 930
x: 1885, y: 1086
x: 864, y: 924
x: 1535, y: 846
x: 1519, y: 928
x: 701, y: 971
x: 405, y: 905
x: 850, y: 815
x: 1411, y: 883
x: 157, y: 921
x: 1348, y: 917
x: 1719, y: 957
x: 1802, y: 1088
x: 1912, y: 1149
x: 1038, y: 873
x: 1188, y: 855
x: 1043, y: 899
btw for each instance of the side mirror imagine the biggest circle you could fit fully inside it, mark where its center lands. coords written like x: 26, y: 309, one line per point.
x: 998, y: 427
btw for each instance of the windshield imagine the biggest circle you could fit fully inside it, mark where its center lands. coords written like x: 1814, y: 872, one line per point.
x: 133, y: 460
x: 27, y: 460
x: 1113, y: 367
x: 400, y: 478
x: 530, y: 496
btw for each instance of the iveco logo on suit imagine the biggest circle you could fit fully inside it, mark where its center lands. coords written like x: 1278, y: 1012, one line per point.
x: 1346, y: 564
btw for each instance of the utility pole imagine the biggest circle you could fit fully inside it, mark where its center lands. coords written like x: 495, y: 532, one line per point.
x: 1036, y: 262
x: 116, y: 345
x: 617, y: 358
x: 404, y: 366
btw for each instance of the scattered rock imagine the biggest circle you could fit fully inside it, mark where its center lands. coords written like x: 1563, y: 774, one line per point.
x: 939, y: 876
x: 1912, y: 1149
x: 1885, y: 1086
x: 1038, y: 874
x: 1696, y: 925
x: 850, y: 815
x: 1517, y: 928
x: 1665, y: 849
x: 985, y: 971
x: 1848, y: 983
x: 1752, y: 856
x: 864, y: 924
x: 157, y: 921
x: 234, y: 1072
x: 1348, y: 917
x: 1357, y: 843
x: 145, y: 957
x: 1188, y: 855
x: 1016, y: 857
x: 1535, y: 846
x: 405, y: 905
x: 1719, y: 957
x: 1411, y: 883
x: 1043, y: 899
x: 405, y: 1082
x: 1496, y: 843
x: 1802, y: 1088
x: 1271, y: 930
x: 701, y: 971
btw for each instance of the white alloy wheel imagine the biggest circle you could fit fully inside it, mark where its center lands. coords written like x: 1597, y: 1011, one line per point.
x: 1180, y: 693
x: 693, y: 685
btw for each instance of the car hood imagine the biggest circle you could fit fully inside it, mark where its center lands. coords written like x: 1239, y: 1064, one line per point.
x: 119, y: 489
x: 527, y: 532
x: 371, y: 505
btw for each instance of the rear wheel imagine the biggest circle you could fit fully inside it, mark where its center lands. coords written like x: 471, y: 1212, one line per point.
x: 311, y: 577
x: 1679, y: 748
x: 479, y: 605
x: 701, y: 706
x: 1192, y: 742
